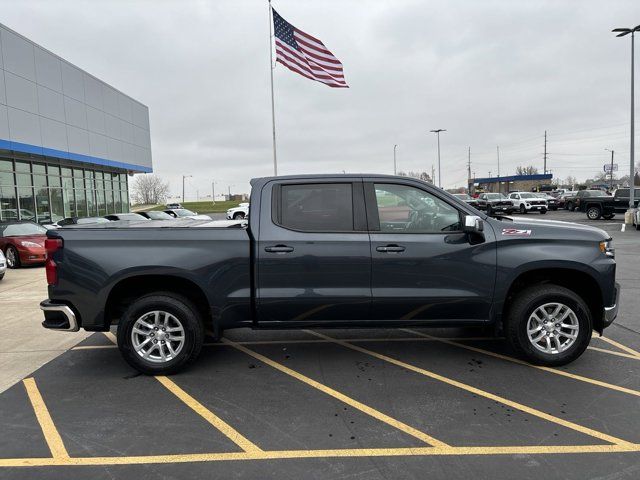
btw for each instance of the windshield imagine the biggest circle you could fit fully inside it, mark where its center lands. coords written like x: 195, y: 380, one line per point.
x: 159, y: 216
x: 183, y: 212
x: 595, y: 193
x: 527, y: 195
x: 495, y: 196
x: 462, y: 196
x: 130, y: 216
x: 19, y: 229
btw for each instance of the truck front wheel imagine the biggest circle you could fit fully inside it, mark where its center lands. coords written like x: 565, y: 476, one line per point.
x: 160, y: 333
x: 548, y: 325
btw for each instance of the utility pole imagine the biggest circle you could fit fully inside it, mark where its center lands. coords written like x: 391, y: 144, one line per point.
x: 545, y: 152
x: 433, y: 175
x: 469, y: 172
x: 437, y: 132
x: 183, y: 177
x: 395, y: 165
x: 610, y: 171
x: 498, y: 151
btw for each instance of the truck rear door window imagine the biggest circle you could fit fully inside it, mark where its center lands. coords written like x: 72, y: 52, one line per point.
x: 322, y: 207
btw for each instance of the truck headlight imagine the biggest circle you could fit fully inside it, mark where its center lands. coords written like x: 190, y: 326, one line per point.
x: 606, y: 247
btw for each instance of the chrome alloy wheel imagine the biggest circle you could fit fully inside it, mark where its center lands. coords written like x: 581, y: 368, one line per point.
x: 553, y: 328
x: 157, y: 336
x: 11, y: 257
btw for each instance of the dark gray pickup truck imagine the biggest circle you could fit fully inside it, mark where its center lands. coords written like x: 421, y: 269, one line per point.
x: 333, y: 251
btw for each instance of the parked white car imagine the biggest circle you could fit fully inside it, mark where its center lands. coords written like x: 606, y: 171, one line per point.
x: 239, y: 212
x: 184, y: 213
x: 528, y: 202
x: 3, y: 265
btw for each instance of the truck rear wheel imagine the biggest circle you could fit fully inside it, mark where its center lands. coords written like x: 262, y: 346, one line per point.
x: 594, y: 213
x: 548, y: 325
x: 160, y: 333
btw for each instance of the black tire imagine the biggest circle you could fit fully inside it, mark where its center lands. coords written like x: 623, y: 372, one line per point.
x: 594, y: 212
x: 523, y: 209
x: 608, y: 216
x: 524, y: 305
x: 554, y: 208
x: 489, y: 210
x: 2, y: 276
x: 16, y: 263
x: 570, y: 206
x: 238, y: 216
x: 542, y: 212
x: 177, y: 306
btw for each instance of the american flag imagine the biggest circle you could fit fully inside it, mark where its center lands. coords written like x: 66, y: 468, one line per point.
x: 306, y: 55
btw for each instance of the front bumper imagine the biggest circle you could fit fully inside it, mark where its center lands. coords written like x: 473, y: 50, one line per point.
x: 611, y: 312
x: 58, y: 316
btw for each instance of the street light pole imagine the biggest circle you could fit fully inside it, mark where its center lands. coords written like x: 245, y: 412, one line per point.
x: 395, y: 165
x: 183, y: 177
x: 437, y: 132
x: 213, y: 191
x: 622, y: 33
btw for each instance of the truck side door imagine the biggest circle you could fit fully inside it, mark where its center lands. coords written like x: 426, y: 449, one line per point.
x: 424, y: 268
x: 313, y: 253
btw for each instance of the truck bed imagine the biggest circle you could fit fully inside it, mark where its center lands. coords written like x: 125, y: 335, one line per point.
x: 185, y: 254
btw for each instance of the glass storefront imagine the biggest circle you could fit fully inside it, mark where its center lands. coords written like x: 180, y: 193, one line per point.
x: 41, y: 192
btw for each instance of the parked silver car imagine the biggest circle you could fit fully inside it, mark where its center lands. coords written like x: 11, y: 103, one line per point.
x: 3, y: 265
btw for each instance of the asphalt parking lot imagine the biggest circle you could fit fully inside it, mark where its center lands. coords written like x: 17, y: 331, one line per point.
x: 410, y: 403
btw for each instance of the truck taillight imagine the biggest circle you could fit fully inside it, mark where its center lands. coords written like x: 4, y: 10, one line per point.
x: 52, y: 245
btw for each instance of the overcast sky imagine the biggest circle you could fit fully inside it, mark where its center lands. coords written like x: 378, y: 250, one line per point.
x: 491, y: 73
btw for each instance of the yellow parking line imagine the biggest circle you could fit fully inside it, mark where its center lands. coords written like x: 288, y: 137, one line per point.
x: 620, y: 346
x: 230, y: 432
x: 611, y: 352
x: 49, y: 430
x: 555, y: 371
x: 111, y: 337
x: 482, y: 393
x: 301, y: 454
x: 340, y: 396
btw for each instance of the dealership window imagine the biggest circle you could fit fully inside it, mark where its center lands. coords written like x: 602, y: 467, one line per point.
x: 8, y: 203
x: 48, y: 193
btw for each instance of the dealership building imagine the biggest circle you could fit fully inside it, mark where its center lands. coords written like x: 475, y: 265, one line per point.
x: 68, y: 141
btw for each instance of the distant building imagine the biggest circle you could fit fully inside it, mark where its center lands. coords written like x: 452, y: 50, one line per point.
x: 67, y: 139
x: 510, y: 183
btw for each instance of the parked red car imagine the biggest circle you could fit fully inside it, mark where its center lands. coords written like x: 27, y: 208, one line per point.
x: 22, y: 243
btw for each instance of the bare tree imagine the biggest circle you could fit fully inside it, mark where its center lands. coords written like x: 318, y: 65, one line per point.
x: 570, y: 180
x: 530, y: 170
x: 149, y: 190
x: 419, y: 175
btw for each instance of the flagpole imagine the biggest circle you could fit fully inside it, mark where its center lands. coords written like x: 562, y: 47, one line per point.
x: 273, y: 110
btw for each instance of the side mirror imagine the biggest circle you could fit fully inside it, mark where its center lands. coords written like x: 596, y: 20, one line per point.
x: 472, y: 224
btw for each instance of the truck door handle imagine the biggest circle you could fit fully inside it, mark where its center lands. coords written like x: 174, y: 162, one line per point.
x: 279, y: 249
x: 391, y: 249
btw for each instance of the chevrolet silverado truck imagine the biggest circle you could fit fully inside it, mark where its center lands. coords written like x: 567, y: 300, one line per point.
x: 333, y: 251
x: 607, y: 206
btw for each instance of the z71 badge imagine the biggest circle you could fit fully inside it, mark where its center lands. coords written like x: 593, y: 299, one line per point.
x: 515, y: 231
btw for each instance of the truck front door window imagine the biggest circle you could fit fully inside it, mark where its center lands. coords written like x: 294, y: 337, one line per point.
x: 405, y: 208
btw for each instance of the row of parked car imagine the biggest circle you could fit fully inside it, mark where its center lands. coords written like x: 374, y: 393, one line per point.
x: 594, y: 203
x: 501, y: 204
